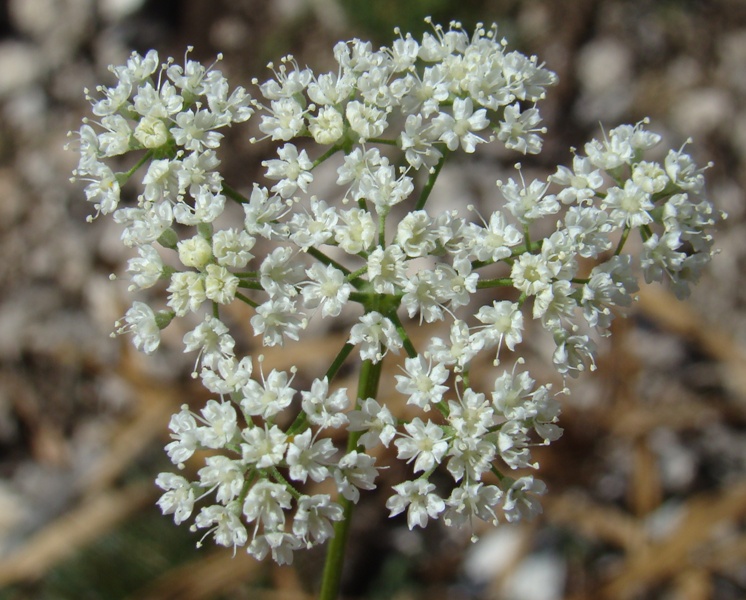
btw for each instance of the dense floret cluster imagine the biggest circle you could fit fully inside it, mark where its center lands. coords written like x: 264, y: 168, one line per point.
x: 392, y: 117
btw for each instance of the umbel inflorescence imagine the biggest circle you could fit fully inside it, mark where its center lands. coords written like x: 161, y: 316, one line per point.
x: 390, y: 117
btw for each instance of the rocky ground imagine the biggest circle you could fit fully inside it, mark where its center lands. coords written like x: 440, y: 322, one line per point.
x: 647, y: 492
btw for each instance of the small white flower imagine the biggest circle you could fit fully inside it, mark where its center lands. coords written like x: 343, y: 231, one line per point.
x: 208, y: 205
x: 356, y: 232
x: 512, y: 445
x: 661, y: 256
x: 458, y: 282
x: 157, y: 103
x: 292, y: 169
x: 195, y: 131
x: 460, y: 349
x: 266, y: 503
x: 268, y: 398
x: 519, y: 131
x: 519, y: 501
x: 263, y: 212
x: 314, y: 517
x: 422, y: 293
x: 418, y: 499
x: 629, y: 206
x: 141, y: 321
x: 212, y: 341
x: 279, y: 273
x: 327, y: 288
x: 187, y: 292
x: 231, y: 248
x: 179, y: 497
x: 185, y: 434
x: 581, y: 183
x: 415, y: 234
x: 375, y: 420
x: 224, y: 475
x: 528, y: 203
x: 322, y: 408
x: 684, y: 172
x: 327, y: 126
x: 387, y: 269
x: 417, y: 142
x: 458, y: 129
x: 229, y: 376
x: 194, y: 252
x: 472, y: 500
x: 224, y: 523
x: 308, y: 458
x: 220, y: 284
x: 103, y: 190
x: 284, y: 121
x: 316, y: 228
x: 376, y: 335
x: 146, y: 270
x: 330, y: 88
x: 424, y: 445
x: 494, y: 241
x: 365, y: 120
x: 355, y: 471
x: 279, y: 543
x: 650, y: 176
x: 221, y: 424
x: 573, y: 353
x: 472, y: 415
x: 422, y: 382
x: 276, y: 319
x: 532, y: 273
x: 151, y: 132
x: 263, y: 446
x: 503, y: 322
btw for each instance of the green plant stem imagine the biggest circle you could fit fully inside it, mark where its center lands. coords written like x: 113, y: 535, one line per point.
x: 333, y: 150
x: 527, y: 237
x: 370, y: 375
x: 491, y: 283
x: 406, y: 342
x: 146, y: 157
x: 431, y: 182
x: 323, y: 258
x: 622, y: 240
x: 246, y: 300
x: 234, y: 195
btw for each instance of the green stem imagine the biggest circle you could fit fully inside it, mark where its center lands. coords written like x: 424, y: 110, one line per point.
x: 431, y: 182
x: 408, y: 345
x: 527, y: 237
x: 234, y: 194
x: 246, y: 300
x: 490, y: 283
x: 383, y: 141
x: 339, y: 361
x: 279, y: 478
x: 323, y: 258
x: 146, y: 157
x: 333, y: 150
x: 623, y: 240
x: 370, y: 374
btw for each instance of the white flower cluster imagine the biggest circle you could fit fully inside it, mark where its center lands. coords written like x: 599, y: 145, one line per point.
x: 424, y: 99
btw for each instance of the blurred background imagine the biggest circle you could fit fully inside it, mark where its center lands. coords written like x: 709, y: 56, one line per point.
x: 647, y: 488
